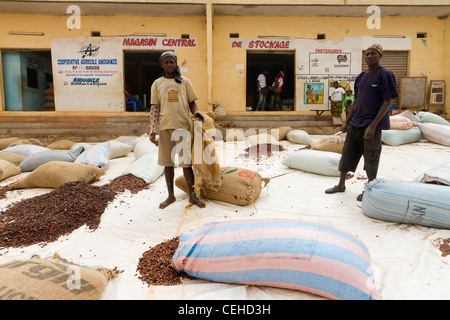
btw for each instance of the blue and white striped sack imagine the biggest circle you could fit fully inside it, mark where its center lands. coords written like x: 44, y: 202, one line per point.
x: 407, y: 202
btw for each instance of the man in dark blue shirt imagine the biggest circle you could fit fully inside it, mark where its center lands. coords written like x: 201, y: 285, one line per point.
x: 374, y: 90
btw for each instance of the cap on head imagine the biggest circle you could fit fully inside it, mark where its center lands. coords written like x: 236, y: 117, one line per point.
x: 377, y: 47
x: 168, y: 54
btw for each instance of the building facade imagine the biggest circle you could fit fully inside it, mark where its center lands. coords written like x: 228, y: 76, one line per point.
x: 87, y: 56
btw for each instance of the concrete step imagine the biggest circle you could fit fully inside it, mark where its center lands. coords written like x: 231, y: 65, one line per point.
x: 83, y: 126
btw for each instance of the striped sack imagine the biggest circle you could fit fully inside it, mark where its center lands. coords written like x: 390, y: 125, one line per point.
x: 408, y: 114
x: 25, y: 150
x: 281, y: 253
x: 97, y: 155
x: 437, y: 133
x: 400, y: 123
x: 407, y: 202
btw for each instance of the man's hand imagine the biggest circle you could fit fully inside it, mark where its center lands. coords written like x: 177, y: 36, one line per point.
x: 344, y: 127
x: 153, y: 138
x: 370, y: 131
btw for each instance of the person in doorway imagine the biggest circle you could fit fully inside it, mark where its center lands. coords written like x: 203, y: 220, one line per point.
x: 262, y: 90
x: 173, y: 100
x: 337, y: 98
x: 277, y: 90
x: 374, y: 90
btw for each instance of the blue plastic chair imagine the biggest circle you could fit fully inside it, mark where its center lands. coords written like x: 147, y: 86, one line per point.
x: 132, y: 103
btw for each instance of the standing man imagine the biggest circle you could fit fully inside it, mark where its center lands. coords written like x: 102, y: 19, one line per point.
x: 173, y: 100
x: 262, y: 90
x: 374, y: 90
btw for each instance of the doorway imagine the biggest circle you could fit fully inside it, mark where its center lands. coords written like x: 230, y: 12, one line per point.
x: 141, y: 69
x: 273, y: 62
x: 28, y: 80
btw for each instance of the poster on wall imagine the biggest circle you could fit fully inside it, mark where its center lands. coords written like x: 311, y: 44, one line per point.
x: 319, y: 65
x: 88, y: 74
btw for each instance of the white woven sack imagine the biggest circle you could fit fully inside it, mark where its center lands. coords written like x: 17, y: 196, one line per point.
x: 320, y: 162
x: 146, y: 167
x: 398, y: 137
x: 119, y: 149
x: 37, y: 159
x: 299, y: 137
x: 407, y: 202
x: 143, y: 146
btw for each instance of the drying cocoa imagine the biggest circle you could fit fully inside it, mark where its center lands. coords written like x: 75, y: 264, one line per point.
x: 264, y: 149
x: 45, y: 218
x: 155, y: 266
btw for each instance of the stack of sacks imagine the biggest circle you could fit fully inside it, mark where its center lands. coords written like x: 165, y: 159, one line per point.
x: 407, y: 202
x: 146, y: 164
x: 403, y: 130
x: 281, y: 253
x: 320, y: 162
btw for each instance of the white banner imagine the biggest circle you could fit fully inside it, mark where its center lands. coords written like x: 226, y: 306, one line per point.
x: 88, y: 74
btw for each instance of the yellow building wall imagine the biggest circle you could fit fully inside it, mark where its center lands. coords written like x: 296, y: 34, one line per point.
x: 431, y: 60
x: 427, y: 60
x: 111, y: 26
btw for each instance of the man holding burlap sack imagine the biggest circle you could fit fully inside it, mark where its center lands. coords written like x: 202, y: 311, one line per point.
x: 173, y: 102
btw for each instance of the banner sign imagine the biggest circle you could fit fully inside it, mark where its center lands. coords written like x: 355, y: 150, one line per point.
x: 157, y: 43
x: 88, y: 74
x: 264, y: 44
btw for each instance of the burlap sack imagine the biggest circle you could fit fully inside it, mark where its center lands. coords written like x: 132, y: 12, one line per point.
x: 5, y: 142
x: 239, y: 186
x: 279, y: 133
x: 203, y: 155
x: 331, y: 144
x: 7, y: 169
x: 35, y: 142
x: 61, y: 145
x: 51, y: 279
x: 14, y: 158
x: 56, y: 173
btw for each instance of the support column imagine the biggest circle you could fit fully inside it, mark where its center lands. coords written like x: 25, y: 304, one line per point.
x: 209, y: 48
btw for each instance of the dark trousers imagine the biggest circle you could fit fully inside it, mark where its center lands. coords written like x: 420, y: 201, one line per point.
x: 356, y: 146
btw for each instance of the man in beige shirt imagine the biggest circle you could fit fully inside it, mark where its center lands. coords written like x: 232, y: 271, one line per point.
x: 173, y: 100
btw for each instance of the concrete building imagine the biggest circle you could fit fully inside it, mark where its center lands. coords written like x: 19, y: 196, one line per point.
x: 97, y: 50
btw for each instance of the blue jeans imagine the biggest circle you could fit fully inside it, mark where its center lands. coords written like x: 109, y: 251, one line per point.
x: 261, y: 102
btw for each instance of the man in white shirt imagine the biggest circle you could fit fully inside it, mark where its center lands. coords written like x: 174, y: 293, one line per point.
x: 262, y: 91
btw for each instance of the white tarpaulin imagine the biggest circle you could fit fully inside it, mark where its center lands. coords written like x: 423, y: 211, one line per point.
x: 406, y: 259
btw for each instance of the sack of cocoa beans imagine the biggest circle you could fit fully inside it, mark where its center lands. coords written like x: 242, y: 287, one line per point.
x: 54, y: 174
x: 51, y: 279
